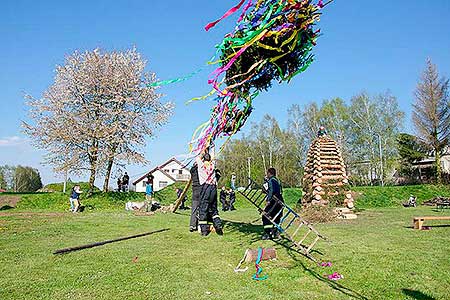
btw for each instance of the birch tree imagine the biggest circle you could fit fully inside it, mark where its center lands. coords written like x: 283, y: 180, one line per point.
x: 98, y: 112
x: 431, y: 113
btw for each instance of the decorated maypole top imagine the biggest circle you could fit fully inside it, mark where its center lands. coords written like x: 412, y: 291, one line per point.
x: 272, y: 41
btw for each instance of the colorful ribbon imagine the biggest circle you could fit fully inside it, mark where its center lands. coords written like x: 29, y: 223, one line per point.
x: 257, y: 275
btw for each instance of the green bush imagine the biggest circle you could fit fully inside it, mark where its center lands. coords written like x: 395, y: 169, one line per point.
x: 391, y: 196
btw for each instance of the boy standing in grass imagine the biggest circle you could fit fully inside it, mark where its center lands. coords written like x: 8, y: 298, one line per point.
x: 75, y: 198
x: 149, y: 189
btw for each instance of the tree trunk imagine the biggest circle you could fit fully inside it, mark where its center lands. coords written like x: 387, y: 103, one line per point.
x: 438, y: 167
x: 108, y: 175
x: 92, y: 180
x: 93, y: 160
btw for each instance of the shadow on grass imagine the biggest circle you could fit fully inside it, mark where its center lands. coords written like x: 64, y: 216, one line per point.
x: 416, y: 295
x: 252, y: 231
x: 293, y: 253
x: 6, y: 207
x: 255, y: 231
x: 431, y: 226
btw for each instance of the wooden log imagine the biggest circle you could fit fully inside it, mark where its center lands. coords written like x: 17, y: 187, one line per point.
x: 336, y: 184
x: 329, y: 172
x: 330, y: 157
x: 332, y: 162
x: 333, y: 177
x: 328, y: 166
x: 66, y: 250
x: 183, y: 194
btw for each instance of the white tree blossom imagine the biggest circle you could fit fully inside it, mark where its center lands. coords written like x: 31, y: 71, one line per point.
x: 98, y: 112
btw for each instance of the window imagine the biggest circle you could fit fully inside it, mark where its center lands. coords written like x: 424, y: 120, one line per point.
x: 180, y: 172
x: 162, y: 184
x: 144, y: 183
x: 173, y: 170
x: 166, y: 170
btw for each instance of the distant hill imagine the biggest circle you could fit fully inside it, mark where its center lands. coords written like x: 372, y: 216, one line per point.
x: 58, y: 187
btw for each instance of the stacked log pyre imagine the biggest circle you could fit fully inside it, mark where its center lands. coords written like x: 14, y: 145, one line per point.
x: 325, y: 181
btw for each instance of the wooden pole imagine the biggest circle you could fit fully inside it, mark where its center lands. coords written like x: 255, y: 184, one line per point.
x: 66, y: 250
x: 183, y: 194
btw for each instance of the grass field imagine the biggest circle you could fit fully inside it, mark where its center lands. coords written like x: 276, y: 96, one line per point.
x: 379, y: 254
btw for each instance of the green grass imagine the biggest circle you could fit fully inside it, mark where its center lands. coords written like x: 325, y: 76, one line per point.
x: 379, y: 254
x: 58, y: 187
x: 99, y: 201
x: 393, y: 196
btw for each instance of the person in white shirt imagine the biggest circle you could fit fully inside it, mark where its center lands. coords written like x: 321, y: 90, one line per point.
x: 208, y: 195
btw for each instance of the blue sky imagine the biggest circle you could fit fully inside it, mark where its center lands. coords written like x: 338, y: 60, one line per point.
x: 370, y: 46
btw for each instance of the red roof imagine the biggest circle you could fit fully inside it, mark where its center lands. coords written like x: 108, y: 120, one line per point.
x: 2, y: 191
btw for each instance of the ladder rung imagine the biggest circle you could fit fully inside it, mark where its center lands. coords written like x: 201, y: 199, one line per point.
x: 285, y: 217
x: 290, y: 223
x: 297, y: 230
x: 313, y: 243
x: 276, y: 216
x: 253, y: 195
x: 304, y: 238
x: 262, y: 200
x: 247, y: 187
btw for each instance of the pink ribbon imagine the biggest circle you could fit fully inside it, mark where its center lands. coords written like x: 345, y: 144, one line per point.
x: 226, y: 15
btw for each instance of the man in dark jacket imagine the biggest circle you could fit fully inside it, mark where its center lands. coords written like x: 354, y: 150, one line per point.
x: 232, y: 199
x: 223, y: 199
x: 125, y: 182
x: 273, y: 209
x: 196, y: 190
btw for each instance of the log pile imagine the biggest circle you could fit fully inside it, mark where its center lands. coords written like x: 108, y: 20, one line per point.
x: 325, y: 181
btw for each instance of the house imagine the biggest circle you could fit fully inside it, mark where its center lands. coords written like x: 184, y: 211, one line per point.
x: 166, y: 174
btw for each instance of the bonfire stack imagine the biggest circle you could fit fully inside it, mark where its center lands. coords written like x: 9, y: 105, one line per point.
x: 325, y: 182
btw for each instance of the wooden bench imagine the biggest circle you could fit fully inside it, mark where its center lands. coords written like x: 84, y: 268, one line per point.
x: 418, y: 221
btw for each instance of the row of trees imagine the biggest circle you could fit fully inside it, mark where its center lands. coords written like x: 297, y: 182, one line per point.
x: 367, y: 128
x: 97, y: 114
x: 102, y: 107
x: 19, y: 179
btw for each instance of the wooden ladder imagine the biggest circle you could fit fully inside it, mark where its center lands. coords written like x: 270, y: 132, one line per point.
x: 296, y: 229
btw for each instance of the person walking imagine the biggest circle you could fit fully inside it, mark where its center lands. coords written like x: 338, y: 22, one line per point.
x: 75, y: 198
x: 273, y: 209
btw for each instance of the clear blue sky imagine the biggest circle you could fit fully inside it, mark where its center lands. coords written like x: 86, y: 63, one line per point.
x: 368, y: 46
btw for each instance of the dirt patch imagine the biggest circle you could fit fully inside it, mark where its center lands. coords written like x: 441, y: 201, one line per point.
x: 8, y: 201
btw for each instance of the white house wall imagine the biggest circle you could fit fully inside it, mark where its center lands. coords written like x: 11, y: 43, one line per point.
x: 160, y: 181
x: 175, y: 170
